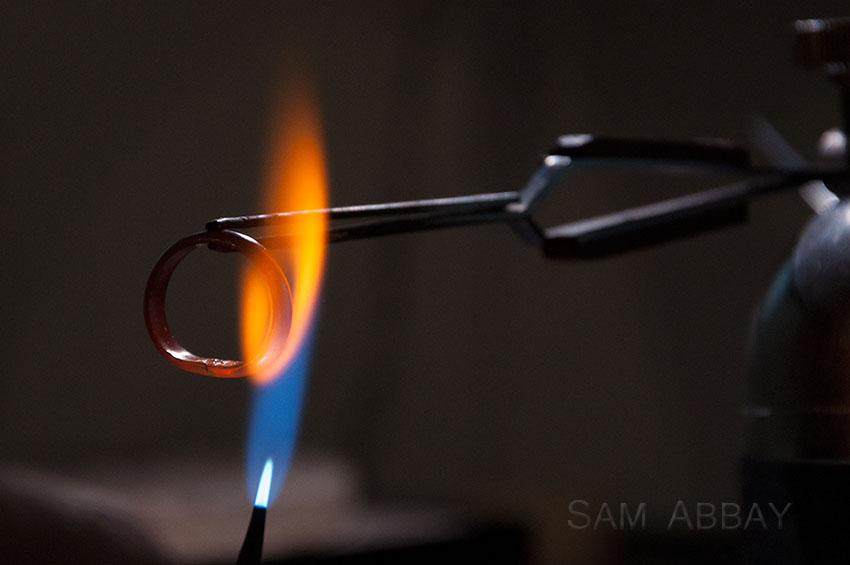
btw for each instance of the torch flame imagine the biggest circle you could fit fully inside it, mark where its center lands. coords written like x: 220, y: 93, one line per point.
x: 295, y: 180
x: 264, y: 487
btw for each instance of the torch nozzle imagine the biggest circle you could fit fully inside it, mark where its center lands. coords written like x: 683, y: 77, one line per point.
x: 252, y: 547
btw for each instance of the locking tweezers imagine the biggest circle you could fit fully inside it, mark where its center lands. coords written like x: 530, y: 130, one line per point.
x: 600, y: 236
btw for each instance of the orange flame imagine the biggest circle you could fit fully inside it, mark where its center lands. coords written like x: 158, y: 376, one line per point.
x: 295, y: 180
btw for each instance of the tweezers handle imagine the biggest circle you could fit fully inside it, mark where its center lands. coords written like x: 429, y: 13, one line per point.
x: 606, y: 150
x: 634, y: 228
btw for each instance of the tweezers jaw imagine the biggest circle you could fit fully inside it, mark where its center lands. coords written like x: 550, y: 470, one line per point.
x: 375, y: 220
x: 444, y: 206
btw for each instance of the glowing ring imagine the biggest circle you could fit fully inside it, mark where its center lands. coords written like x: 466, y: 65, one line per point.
x: 279, y: 293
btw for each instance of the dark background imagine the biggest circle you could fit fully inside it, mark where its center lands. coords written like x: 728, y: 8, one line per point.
x: 456, y: 365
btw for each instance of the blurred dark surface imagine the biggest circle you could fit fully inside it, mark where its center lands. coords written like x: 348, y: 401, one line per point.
x: 503, y: 544
x: 453, y: 366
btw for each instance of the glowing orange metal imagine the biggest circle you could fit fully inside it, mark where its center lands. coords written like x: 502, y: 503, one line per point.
x: 276, y: 288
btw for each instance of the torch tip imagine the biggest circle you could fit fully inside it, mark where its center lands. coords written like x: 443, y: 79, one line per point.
x: 252, y: 548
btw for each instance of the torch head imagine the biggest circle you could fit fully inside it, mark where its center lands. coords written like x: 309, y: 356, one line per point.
x: 799, y: 397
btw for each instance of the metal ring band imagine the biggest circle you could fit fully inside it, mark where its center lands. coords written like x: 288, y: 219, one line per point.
x: 157, y: 286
